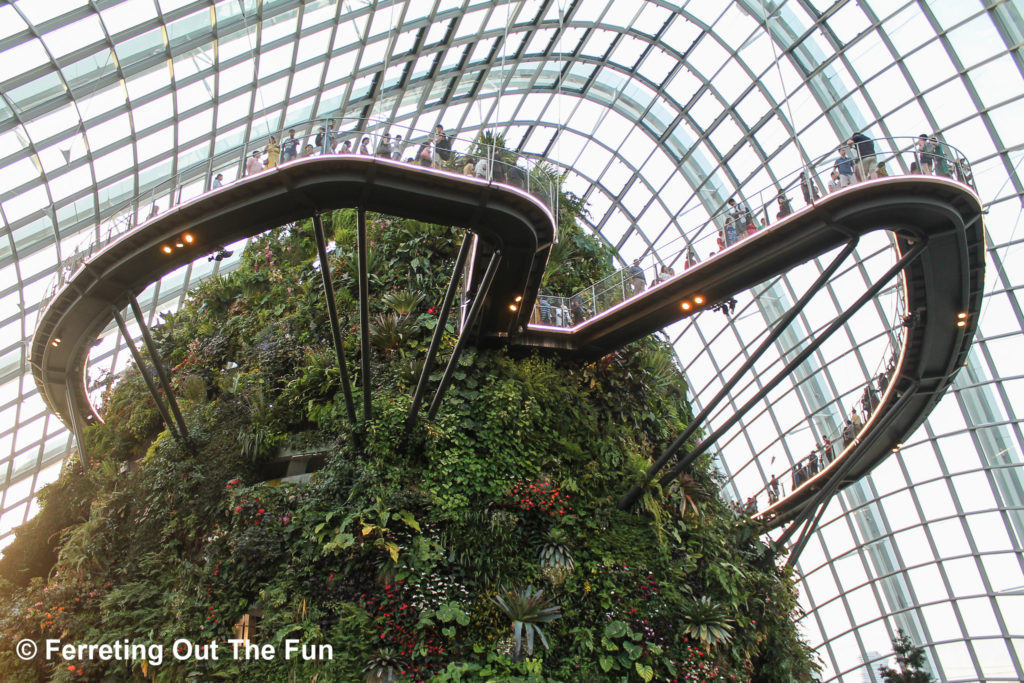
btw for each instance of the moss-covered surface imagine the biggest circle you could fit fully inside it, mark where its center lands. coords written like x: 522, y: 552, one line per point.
x: 408, y: 551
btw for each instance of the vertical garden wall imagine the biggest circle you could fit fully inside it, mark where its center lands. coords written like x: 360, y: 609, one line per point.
x: 484, y: 545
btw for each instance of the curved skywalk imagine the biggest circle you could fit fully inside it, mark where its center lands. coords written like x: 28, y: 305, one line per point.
x: 939, y: 239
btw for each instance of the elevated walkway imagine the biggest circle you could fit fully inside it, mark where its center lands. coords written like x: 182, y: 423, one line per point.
x: 937, y: 216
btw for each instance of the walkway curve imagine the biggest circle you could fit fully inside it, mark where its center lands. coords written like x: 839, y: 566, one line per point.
x: 503, y: 216
x: 946, y: 280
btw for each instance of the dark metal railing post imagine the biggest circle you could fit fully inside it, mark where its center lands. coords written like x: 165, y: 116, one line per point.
x: 442, y: 319
x: 474, y: 311
x: 332, y: 313
x: 364, y: 314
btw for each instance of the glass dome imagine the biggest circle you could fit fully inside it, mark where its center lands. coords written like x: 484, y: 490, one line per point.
x: 658, y: 112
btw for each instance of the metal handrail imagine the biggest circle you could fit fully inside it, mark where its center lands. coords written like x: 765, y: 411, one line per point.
x: 713, y: 235
x: 503, y: 167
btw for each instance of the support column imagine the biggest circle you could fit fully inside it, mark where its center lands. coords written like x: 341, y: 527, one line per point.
x: 634, y: 493
x: 145, y: 375
x: 161, y: 372
x: 474, y: 312
x: 442, y: 320
x: 364, y: 315
x: 332, y: 313
x: 688, y: 459
x: 811, y: 515
x: 76, y: 426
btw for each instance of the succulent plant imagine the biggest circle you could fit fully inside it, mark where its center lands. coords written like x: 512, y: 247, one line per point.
x: 706, y: 621
x: 528, y: 609
x: 386, y: 667
x: 556, y: 559
x: 402, y: 302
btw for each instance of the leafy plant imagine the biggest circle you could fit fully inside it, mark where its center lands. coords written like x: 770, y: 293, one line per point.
x: 389, y: 330
x: 706, y: 621
x: 556, y: 558
x: 386, y: 667
x: 909, y: 659
x: 528, y: 608
x: 689, y: 491
x: 402, y: 302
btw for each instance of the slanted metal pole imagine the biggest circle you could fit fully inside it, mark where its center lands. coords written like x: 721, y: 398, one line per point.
x: 474, y: 311
x: 365, y: 351
x: 818, y: 502
x: 442, y: 319
x: 332, y: 313
x: 688, y: 459
x: 161, y: 373
x: 76, y: 426
x: 634, y: 493
x: 145, y: 375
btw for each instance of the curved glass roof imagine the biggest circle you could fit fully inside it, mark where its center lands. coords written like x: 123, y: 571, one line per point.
x: 659, y: 112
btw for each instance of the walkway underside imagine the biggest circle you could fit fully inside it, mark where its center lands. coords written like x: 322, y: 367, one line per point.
x: 946, y: 279
x: 504, y: 218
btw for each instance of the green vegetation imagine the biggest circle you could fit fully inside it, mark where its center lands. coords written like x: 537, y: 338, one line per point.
x: 435, y: 553
x: 910, y: 661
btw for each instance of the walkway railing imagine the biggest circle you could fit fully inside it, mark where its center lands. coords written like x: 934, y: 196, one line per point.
x: 863, y: 400
x: 751, y: 213
x: 427, y: 148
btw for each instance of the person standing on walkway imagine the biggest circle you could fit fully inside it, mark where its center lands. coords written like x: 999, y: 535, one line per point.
x: 252, y: 164
x: 844, y: 166
x: 866, y: 163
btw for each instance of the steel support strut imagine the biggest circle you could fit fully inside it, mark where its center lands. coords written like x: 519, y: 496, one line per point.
x: 442, y: 319
x: 76, y: 426
x: 474, y: 312
x: 158, y: 364
x: 332, y: 313
x: 141, y: 364
x: 813, y: 510
x: 365, y: 351
x: 634, y: 493
x: 813, y: 346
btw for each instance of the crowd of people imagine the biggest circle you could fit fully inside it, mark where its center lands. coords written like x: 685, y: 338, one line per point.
x: 825, y: 451
x: 435, y: 151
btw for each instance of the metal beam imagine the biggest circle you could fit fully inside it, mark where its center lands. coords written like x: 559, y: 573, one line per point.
x: 365, y: 351
x: 161, y: 372
x: 687, y: 459
x: 141, y: 364
x: 442, y: 320
x: 634, y: 493
x: 474, y: 312
x: 820, y: 499
x: 76, y: 428
x: 332, y: 313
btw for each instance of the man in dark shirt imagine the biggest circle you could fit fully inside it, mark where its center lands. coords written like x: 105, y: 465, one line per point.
x: 784, y: 208
x: 865, y: 149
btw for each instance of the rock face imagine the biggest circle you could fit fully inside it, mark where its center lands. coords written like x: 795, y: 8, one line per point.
x: 481, y: 546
